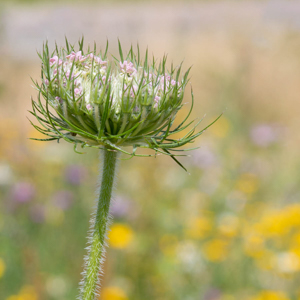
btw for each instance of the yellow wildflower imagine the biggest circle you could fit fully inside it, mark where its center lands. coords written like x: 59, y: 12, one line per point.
x: 292, y: 213
x: 296, y: 240
x: 247, y: 183
x: 254, y: 245
x: 120, y: 236
x: 2, y: 267
x: 266, y: 261
x: 28, y: 293
x: 215, y: 250
x: 199, y: 227
x: 13, y: 297
x: 221, y: 128
x: 279, y: 222
x: 113, y: 293
x: 229, y: 225
x: 270, y: 295
x: 296, y: 251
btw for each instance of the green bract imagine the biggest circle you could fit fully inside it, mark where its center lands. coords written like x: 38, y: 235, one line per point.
x: 109, y: 104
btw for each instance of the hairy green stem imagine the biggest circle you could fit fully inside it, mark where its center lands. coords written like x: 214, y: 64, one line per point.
x: 90, y: 284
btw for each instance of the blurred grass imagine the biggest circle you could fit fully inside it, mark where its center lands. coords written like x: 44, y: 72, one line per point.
x: 228, y: 230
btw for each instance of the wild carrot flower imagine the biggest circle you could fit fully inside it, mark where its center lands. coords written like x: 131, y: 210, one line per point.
x: 95, y: 102
x: 99, y: 103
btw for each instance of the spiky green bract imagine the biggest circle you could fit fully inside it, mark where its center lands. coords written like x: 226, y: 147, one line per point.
x: 97, y: 103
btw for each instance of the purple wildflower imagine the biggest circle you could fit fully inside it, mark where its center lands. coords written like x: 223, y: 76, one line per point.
x: 120, y: 207
x: 263, y: 135
x: 63, y: 199
x: 204, y: 158
x: 75, y: 174
x: 212, y: 294
x: 23, y: 192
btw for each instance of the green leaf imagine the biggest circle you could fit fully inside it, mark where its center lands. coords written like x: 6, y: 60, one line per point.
x: 106, y: 49
x: 120, y: 51
x: 80, y: 42
x: 176, y: 160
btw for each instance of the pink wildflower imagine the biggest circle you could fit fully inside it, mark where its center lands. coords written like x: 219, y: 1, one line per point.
x: 77, y: 91
x: 77, y: 56
x: 165, y: 78
x: 98, y: 60
x: 156, y: 100
x: 89, y: 106
x: 263, y: 135
x: 83, y: 58
x: 54, y: 60
x: 127, y: 67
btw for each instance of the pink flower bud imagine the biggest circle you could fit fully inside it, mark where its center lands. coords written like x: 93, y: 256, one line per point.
x: 98, y: 60
x: 127, y: 67
x: 173, y: 82
x: 71, y: 56
x: 53, y: 60
x: 83, y: 58
x: 78, y: 55
x: 77, y: 91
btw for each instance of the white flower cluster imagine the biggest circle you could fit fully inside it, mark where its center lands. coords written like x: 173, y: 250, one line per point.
x: 84, y: 77
x: 126, y: 101
x: 76, y: 73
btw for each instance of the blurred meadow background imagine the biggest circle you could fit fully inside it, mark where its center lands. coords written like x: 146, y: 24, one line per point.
x: 229, y: 229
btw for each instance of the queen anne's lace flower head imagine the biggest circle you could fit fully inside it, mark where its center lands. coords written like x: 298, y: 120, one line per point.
x: 102, y: 103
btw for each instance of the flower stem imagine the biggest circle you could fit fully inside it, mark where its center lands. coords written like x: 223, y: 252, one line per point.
x: 90, y: 284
